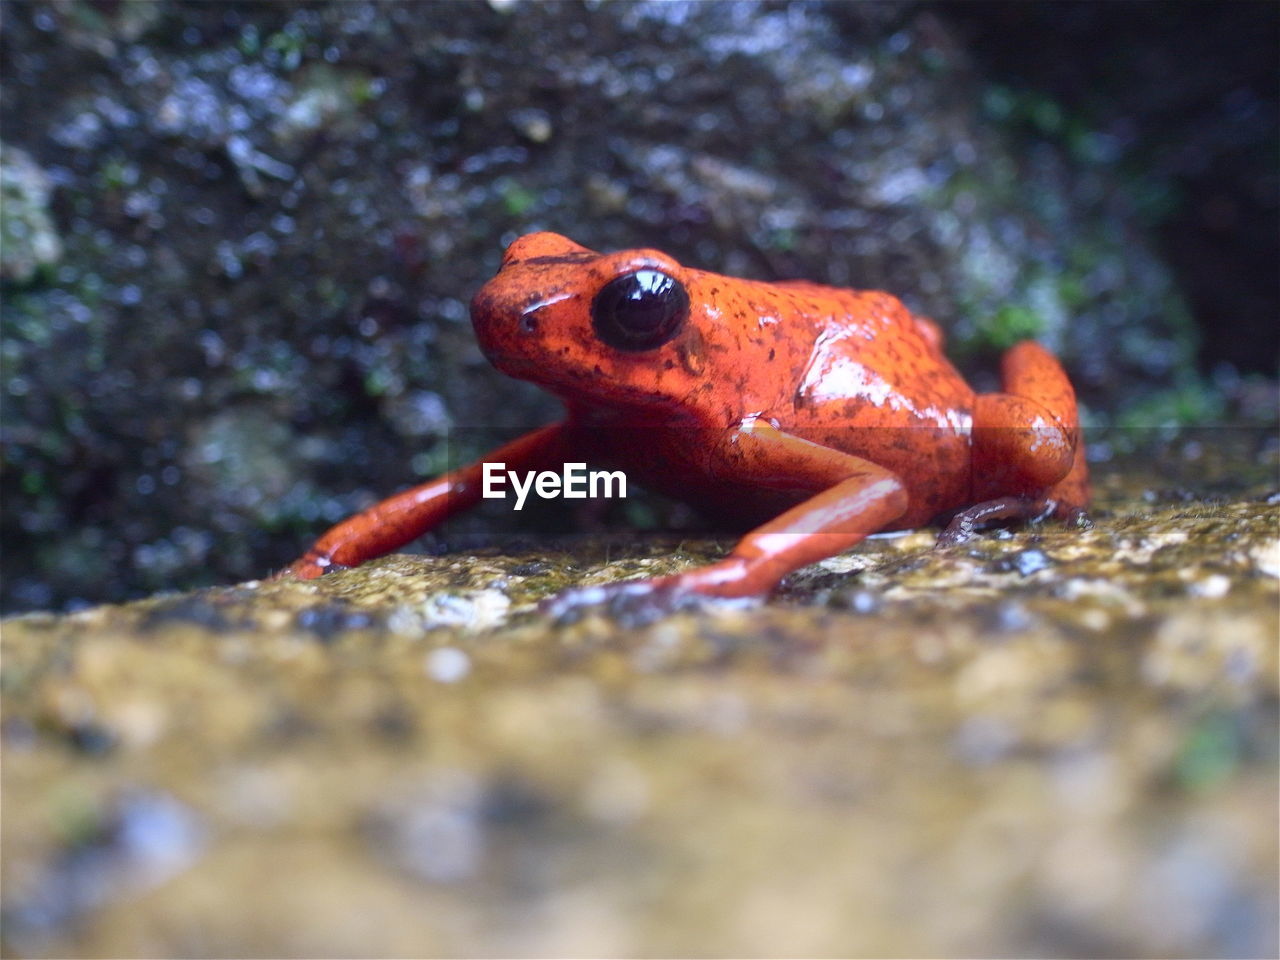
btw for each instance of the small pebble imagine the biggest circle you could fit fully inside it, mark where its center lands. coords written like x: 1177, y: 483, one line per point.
x: 447, y: 664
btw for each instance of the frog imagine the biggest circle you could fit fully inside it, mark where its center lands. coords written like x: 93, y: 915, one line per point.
x: 812, y: 416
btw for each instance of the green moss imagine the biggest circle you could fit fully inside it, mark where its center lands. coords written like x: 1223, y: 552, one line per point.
x: 517, y: 200
x: 1192, y: 403
x: 1210, y: 753
x: 362, y: 89
x: 1009, y: 325
x: 285, y: 48
x: 331, y: 294
x: 1042, y: 115
x: 75, y: 815
x: 117, y: 173
x: 781, y: 240
x: 1072, y: 292
x: 34, y: 484
x: 250, y: 40
x: 431, y: 462
x: 377, y: 382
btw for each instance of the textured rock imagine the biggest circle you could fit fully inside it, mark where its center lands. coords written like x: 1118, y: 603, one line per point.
x: 28, y: 239
x: 1041, y: 742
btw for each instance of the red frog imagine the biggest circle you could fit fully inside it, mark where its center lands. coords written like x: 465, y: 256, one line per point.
x: 821, y: 414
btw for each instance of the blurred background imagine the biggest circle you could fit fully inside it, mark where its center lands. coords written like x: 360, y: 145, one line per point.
x: 239, y: 239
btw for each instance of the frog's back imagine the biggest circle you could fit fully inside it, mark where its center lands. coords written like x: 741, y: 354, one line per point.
x: 876, y: 384
x: 873, y: 362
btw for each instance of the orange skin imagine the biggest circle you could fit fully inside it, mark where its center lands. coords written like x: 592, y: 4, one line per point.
x: 820, y: 413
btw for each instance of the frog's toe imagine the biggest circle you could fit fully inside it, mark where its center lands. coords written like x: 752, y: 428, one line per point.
x: 1077, y: 518
x: 964, y: 525
x: 308, y: 567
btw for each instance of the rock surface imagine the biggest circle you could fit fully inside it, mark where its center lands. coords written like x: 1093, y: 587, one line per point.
x: 1041, y: 742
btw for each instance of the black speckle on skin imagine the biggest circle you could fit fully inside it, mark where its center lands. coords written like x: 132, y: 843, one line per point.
x: 772, y: 353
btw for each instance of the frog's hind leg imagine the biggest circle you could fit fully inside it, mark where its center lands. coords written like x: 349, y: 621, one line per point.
x: 1026, y: 440
x: 854, y: 497
x: 964, y: 523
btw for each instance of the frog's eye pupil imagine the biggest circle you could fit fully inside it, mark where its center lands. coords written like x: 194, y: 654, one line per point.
x: 640, y: 310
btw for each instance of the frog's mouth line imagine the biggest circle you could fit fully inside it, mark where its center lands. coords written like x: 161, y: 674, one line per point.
x: 571, y: 384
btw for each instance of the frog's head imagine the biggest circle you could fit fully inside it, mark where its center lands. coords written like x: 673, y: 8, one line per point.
x: 602, y: 328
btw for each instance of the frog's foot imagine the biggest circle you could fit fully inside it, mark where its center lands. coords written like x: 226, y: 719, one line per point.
x: 963, y: 526
x: 638, y: 602
x: 308, y: 567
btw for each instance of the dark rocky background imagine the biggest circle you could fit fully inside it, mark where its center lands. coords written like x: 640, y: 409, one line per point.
x: 239, y: 239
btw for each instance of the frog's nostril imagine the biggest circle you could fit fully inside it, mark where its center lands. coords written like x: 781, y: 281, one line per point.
x: 528, y: 322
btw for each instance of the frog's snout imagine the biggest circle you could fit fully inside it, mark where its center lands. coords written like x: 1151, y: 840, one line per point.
x: 512, y: 313
x: 496, y: 315
x: 489, y: 317
x: 512, y: 325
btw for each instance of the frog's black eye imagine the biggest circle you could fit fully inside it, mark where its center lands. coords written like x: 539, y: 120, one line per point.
x: 639, y: 311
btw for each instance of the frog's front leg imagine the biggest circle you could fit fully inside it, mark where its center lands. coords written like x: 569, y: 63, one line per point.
x: 389, y: 525
x: 1028, y: 457
x: 856, y: 497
